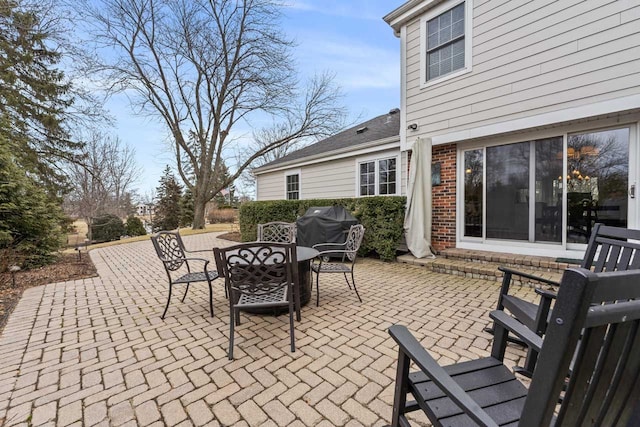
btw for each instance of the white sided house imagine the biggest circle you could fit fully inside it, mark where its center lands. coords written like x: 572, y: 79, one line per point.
x: 361, y: 161
x: 533, y: 110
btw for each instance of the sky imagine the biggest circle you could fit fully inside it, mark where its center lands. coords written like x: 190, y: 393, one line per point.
x: 348, y: 38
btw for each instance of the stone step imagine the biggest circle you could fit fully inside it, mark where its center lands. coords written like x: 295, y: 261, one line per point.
x: 484, y: 264
x: 528, y: 262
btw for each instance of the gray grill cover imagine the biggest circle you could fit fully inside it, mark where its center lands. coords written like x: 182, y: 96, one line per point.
x: 325, y: 224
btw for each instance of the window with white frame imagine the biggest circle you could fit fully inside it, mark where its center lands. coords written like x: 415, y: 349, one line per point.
x: 446, y: 36
x: 293, y: 187
x: 377, y: 177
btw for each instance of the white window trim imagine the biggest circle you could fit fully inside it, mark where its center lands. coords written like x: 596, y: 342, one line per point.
x: 289, y: 173
x: 376, y: 159
x: 468, y: 42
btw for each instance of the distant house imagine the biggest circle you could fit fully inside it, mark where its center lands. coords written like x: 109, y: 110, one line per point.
x: 533, y: 110
x: 145, y: 210
x: 364, y: 160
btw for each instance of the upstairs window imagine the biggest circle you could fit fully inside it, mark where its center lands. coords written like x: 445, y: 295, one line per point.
x: 446, y: 41
x: 293, y: 187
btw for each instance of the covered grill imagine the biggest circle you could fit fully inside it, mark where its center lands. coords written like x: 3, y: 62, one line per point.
x: 325, y: 224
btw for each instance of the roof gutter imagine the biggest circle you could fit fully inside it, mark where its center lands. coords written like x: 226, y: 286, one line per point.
x: 408, y: 11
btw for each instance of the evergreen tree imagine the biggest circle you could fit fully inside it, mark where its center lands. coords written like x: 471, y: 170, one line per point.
x: 186, y: 209
x: 34, y: 95
x: 31, y: 221
x: 134, y: 226
x: 167, y: 209
x: 34, y: 103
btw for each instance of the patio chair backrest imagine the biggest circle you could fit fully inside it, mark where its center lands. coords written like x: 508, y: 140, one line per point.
x: 612, y: 249
x: 354, y: 240
x: 257, y: 268
x: 277, y: 231
x: 594, y: 334
x: 170, y: 249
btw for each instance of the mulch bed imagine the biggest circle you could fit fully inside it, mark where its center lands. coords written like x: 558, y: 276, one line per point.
x: 67, y: 267
x: 234, y: 236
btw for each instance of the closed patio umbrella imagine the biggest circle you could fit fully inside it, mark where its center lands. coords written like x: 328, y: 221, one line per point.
x: 417, y: 220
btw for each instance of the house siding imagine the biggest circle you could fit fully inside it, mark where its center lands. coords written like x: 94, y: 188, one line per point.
x: 529, y: 58
x: 329, y: 180
x: 270, y: 186
x: 326, y: 180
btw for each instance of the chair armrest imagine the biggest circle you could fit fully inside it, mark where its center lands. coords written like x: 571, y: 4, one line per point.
x: 544, y: 293
x: 528, y: 276
x: 206, y: 261
x: 512, y: 325
x: 328, y: 244
x: 414, y: 350
x: 198, y: 250
x: 337, y: 251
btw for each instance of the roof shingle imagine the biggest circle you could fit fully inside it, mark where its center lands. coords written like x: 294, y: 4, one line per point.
x: 378, y: 128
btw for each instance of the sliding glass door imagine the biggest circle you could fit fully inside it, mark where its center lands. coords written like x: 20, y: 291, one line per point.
x: 597, y: 181
x: 526, y: 190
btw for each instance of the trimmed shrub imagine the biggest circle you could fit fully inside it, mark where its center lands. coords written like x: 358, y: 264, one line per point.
x: 134, y: 227
x: 383, y: 218
x: 106, y: 228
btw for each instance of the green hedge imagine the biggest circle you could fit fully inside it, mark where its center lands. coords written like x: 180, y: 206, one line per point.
x: 107, y: 228
x: 382, y: 217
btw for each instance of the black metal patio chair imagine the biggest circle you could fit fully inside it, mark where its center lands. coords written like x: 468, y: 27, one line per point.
x: 179, y: 267
x: 277, y: 231
x: 258, y: 275
x: 347, y: 251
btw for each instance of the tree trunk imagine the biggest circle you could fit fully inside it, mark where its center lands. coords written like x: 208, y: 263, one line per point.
x: 198, y: 212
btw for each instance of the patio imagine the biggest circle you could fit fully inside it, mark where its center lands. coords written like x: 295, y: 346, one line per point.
x: 95, y: 351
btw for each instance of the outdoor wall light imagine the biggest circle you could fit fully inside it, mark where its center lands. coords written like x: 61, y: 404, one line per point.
x: 413, y: 126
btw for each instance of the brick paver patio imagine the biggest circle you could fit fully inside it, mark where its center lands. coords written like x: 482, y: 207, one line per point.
x: 95, y: 351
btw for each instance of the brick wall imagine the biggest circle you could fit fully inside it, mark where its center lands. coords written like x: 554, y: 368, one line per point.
x: 443, y: 226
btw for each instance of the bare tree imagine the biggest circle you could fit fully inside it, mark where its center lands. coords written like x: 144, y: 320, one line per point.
x: 202, y: 67
x: 103, y: 182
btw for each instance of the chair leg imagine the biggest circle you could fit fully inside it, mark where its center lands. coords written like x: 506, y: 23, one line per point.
x: 185, y: 291
x: 211, y: 298
x: 318, y: 289
x: 529, y: 364
x: 231, y: 332
x: 168, y: 301
x: 354, y: 286
x: 291, y: 330
x: 297, y: 289
x: 347, y: 280
x: 400, y: 391
x: 511, y: 339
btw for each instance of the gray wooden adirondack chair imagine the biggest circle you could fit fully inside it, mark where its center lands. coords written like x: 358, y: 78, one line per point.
x: 609, y: 249
x: 594, y: 333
